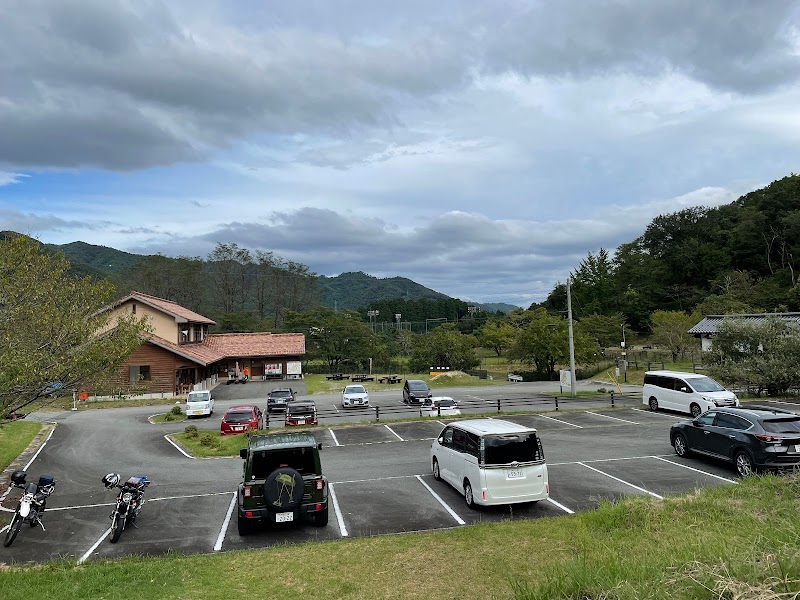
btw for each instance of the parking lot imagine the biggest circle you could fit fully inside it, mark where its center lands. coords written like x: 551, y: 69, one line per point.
x: 380, y: 478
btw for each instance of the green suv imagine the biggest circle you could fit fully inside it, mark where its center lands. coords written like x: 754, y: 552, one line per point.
x: 283, y: 481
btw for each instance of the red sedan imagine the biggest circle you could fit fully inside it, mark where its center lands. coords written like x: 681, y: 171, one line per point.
x: 239, y: 419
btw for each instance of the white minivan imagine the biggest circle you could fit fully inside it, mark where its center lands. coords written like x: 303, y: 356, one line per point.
x: 686, y: 392
x: 491, y: 462
x: 199, y: 403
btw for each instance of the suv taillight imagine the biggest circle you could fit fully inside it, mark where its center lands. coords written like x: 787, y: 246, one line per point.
x: 320, y: 483
x: 247, y: 491
x: 770, y: 438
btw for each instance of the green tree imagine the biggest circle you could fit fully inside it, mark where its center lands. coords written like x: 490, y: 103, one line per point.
x: 339, y: 338
x: 606, y: 329
x: 445, y: 346
x: 497, y: 334
x: 53, y: 332
x: 761, y: 356
x: 671, y: 330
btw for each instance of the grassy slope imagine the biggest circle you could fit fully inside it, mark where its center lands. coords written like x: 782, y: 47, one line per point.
x: 640, y: 548
x: 14, y: 438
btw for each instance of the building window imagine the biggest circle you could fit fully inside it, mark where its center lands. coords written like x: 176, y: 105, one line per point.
x: 133, y: 309
x: 139, y: 373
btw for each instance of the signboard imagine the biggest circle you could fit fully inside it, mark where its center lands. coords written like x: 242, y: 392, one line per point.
x: 273, y: 369
x: 293, y: 367
x: 565, y: 377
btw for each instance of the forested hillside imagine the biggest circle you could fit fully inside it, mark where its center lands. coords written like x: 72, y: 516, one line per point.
x: 358, y: 290
x: 735, y: 258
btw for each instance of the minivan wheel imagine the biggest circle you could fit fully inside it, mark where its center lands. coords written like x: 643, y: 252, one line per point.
x: 744, y: 464
x: 681, y: 449
x: 653, y: 403
x: 468, y: 494
x: 696, y: 410
x: 436, y: 474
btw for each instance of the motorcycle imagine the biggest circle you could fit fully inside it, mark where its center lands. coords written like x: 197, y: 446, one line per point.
x: 31, y: 505
x: 129, y: 501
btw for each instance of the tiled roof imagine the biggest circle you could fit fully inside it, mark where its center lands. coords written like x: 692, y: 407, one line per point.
x: 257, y: 344
x: 199, y: 353
x: 169, y: 307
x: 710, y: 323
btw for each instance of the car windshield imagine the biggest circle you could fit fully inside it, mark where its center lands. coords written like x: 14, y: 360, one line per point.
x: 705, y: 384
x: 354, y: 389
x: 417, y: 386
x: 280, y: 393
x: 512, y: 447
x: 239, y: 417
x: 198, y: 397
x: 782, y: 425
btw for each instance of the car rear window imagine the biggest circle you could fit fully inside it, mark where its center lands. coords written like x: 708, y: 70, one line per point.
x: 512, y: 447
x: 300, y: 410
x: 239, y: 417
x: 781, y: 425
x: 280, y: 393
x: 265, y: 462
x: 198, y: 397
x: 444, y: 403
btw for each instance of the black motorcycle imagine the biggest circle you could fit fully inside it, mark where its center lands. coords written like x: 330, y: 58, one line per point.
x: 129, y: 501
x: 31, y: 505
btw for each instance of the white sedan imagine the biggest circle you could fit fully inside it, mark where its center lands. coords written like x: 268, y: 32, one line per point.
x: 355, y: 395
x: 439, y: 406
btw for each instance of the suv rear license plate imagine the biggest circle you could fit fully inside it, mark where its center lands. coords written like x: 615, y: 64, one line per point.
x: 284, y: 517
x: 514, y: 474
x: 301, y: 421
x: 794, y: 448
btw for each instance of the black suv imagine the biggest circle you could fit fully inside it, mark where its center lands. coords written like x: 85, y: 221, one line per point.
x: 415, y: 391
x: 283, y: 481
x: 753, y: 438
x: 277, y: 398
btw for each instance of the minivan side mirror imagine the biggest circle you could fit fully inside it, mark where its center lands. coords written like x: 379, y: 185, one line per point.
x: 243, y: 453
x: 441, y: 440
x: 683, y: 389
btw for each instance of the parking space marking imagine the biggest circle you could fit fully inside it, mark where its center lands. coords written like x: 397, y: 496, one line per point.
x: 394, y: 433
x: 599, y: 460
x: 478, y: 398
x: 658, y: 414
x: 333, y: 435
x: 336, y: 408
x: 178, y: 448
x: 438, y: 498
x: 374, y: 479
x: 337, y: 510
x: 94, y: 547
x: 636, y: 487
x: 696, y: 470
x: 147, y: 499
x: 558, y: 421
x: 442, y: 424
x: 223, y: 530
x: 561, y: 506
x: 609, y: 417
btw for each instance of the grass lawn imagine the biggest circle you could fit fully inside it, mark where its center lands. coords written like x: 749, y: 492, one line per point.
x: 733, y: 541
x: 169, y: 417
x: 14, y: 438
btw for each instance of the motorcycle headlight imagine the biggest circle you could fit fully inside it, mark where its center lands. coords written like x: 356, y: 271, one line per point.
x: 127, y: 497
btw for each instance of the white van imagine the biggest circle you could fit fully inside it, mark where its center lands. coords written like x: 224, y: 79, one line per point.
x: 686, y: 392
x: 491, y: 461
x: 199, y: 403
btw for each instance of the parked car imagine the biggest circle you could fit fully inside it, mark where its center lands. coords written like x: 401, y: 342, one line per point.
x: 415, y: 391
x: 283, y: 481
x: 439, y: 406
x: 753, y: 438
x: 686, y: 392
x: 199, y: 403
x: 241, y: 418
x: 491, y: 461
x: 355, y: 395
x: 277, y: 399
x: 301, y: 412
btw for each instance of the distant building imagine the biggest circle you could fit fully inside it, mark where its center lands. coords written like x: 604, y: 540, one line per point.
x: 179, y: 354
x: 707, y: 328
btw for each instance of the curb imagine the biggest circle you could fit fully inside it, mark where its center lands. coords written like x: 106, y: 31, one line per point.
x: 38, y: 441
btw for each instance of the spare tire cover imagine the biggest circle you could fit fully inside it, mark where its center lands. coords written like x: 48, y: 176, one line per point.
x: 283, y: 489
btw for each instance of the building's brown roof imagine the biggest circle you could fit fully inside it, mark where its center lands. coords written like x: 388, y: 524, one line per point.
x: 199, y: 353
x: 168, y: 306
x: 256, y: 344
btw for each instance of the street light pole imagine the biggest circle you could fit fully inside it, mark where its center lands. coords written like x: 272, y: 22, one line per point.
x: 571, y: 342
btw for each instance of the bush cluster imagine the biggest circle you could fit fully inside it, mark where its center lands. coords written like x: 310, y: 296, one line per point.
x: 192, y: 431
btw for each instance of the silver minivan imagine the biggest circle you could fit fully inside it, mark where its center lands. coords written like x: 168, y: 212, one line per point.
x: 686, y: 392
x: 491, y: 462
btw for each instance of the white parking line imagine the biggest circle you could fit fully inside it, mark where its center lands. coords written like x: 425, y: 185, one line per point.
x: 333, y: 435
x: 442, y: 424
x: 657, y: 414
x: 559, y: 421
x: 94, y: 547
x: 695, y: 470
x: 561, y: 506
x: 438, y: 498
x: 778, y: 402
x: 373, y: 479
x: 600, y: 460
x: 479, y: 398
x: 636, y: 487
x: 336, y: 408
x: 148, y: 500
x: 178, y: 448
x: 615, y: 418
x: 395, y: 433
x: 224, y: 529
x: 339, y: 517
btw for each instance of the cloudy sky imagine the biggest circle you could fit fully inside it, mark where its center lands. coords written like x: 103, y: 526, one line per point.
x: 480, y: 148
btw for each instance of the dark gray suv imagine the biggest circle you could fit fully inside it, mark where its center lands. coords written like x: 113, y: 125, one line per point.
x: 753, y: 438
x: 415, y: 391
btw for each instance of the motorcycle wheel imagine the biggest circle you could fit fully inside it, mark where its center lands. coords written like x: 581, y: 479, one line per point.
x: 13, y: 530
x: 117, y: 525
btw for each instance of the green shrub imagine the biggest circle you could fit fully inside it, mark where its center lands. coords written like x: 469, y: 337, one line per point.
x: 208, y: 440
x: 191, y: 431
x: 169, y: 417
x: 601, y: 390
x: 176, y: 410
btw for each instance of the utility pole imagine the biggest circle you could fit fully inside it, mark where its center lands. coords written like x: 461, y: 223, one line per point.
x: 571, y: 343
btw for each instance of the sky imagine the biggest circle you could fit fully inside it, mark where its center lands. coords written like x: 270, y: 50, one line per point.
x: 479, y: 148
